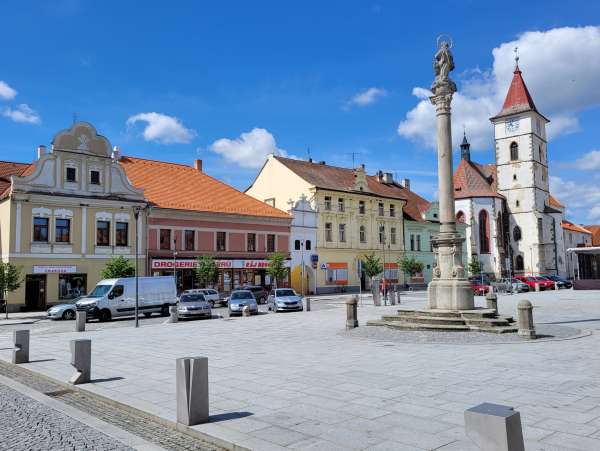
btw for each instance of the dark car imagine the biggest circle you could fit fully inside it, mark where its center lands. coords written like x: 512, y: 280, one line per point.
x: 260, y: 293
x: 560, y: 282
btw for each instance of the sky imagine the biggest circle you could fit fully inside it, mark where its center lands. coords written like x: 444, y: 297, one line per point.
x: 342, y: 81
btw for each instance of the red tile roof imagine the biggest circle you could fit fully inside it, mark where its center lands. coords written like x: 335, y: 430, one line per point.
x: 574, y: 227
x: 8, y: 168
x: 518, y: 98
x: 180, y: 187
x: 595, y: 229
x: 555, y: 202
x: 475, y: 180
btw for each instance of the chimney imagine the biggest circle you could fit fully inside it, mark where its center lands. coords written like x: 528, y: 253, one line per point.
x: 362, y: 166
x: 41, y: 151
x: 309, y: 160
x: 380, y: 176
x: 388, y: 178
x: 116, y: 153
x: 198, y: 165
x: 322, y: 162
x: 406, y: 183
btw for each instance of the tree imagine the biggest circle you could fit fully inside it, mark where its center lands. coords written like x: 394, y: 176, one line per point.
x: 207, y: 271
x: 410, y: 265
x: 118, y: 267
x: 10, y: 280
x: 474, y: 266
x: 276, y: 268
x: 372, y: 265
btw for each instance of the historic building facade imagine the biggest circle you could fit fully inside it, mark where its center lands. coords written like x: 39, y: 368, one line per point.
x: 303, y: 241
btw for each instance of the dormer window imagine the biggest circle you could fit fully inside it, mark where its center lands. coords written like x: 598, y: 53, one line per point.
x: 95, y: 177
x: 71, y: 175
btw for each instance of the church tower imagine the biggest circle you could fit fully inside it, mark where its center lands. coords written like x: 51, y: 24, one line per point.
x: 522, y: 174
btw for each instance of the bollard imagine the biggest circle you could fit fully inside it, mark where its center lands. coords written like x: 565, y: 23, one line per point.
x: 375, y: 292
x: 80, y: 319
x: 246, y: 310
x: 491, y: 300
x: 192, y: 390
x: 537, y: 286
x: 173, y: 314
x: 398, y: 296
x: 392, y: 297
x: 307, y: 302
x: 526, y: 326
x: 81, y: 359
x: 20, y: 352
x: 494, y: 427
x: 352, y: 312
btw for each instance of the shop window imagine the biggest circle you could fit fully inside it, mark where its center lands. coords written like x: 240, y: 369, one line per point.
x: 418, y: 242
x: 251, y: 245
x: 341, y: 206
x: 221, y: 241
x: 71, y: 286
x: 71, y: 174
x: 361, y: 207
x: 307, y: 245
x: 103, y: 233
x: 362, y: 234
x: 165, y: 239
x: 40, y: 229
x: 392, y: 211
x: 190, y: 240
x: 63, y: 230
x: 337, y: 276
x: 342, y: 233
x: 328, y: 233
x: 380, y: 208
x: 95, y: 177
x: 327, y: 202
x: 297, y: 245
x: 391, y: 273
x: 270, y: 243
x: 122, y: 234
x: 393, y: 235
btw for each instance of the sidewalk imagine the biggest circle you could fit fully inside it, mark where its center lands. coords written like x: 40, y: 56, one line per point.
x: 21, y: 318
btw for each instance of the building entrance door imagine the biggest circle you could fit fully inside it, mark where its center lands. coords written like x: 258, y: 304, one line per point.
x: 35, y: 292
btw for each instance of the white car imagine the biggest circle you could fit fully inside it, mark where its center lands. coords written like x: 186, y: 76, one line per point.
x: 193, y: 305
x: 212, y: 296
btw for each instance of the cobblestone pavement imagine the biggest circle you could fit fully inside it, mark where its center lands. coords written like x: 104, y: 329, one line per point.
x: 27, y: 424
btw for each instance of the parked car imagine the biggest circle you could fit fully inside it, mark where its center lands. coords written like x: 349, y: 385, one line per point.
x: 260, y: 293
x: 545, y: 284
x: 239, y: 299
x: 116, y: 297
x: 284, y: 300
x: 211, y: 295
x: 511, y: 285
x: 560, y: 282
x: 480, y: 284
x: 193, y: 305
x: 62, y: 311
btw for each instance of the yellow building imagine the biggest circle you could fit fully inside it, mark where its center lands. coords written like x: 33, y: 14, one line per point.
x: 65, y: 215
x: 357, y: 215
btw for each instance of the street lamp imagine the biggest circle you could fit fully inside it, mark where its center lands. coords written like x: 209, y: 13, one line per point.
x: 136, y: 214
x: 175, y: 261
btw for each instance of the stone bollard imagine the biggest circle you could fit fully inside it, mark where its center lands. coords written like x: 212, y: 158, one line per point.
x: 491, y: 300
x: 392, y: 297
x: 20, y: 352
x: 494, y: 427
x: 81, y: 359
x: 352, y: 312
x: 191, y: 377
x: 398, y: 296
x: 525, y: 320
x: 375, y: 292
x: 246, y: 311
x: 537, y: 286
x: 173, y: 314
x: 307, y: 304
x: 80, y: 319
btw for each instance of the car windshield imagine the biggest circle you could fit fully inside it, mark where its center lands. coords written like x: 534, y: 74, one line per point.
x: 241, y: 295
x: 99, y: 291
x: 191, y: 298
x: 285, y: 293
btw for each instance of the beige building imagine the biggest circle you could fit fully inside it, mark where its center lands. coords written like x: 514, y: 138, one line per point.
x: 65, y: 215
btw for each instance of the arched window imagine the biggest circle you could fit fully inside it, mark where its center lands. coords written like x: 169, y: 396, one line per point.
x: 500, y: 230
x: 519, y: 263
x: 484, y: 232
x: 307, y: 245
x: 460, y: 217
x: 517, y: 233
x: 297, y: 245
x: 514, y: 151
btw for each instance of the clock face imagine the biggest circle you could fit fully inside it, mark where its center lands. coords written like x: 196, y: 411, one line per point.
x: 512, y: 125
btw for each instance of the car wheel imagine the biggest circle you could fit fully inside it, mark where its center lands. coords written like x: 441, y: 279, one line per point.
x: 104, y: 315
x: 212, y: 304
x: 68, y: 314
x: 147, y: 314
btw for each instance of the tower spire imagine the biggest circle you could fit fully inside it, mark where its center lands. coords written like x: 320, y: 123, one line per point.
x: 516, y: 50
x: 465, y: 147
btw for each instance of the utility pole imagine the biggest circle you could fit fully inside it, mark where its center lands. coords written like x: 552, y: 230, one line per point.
x: 136, y: 214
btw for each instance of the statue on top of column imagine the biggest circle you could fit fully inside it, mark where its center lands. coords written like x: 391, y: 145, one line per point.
x: 443, y: 64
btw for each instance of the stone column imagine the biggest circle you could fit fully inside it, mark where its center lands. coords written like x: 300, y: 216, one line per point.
x: 525, y: 319
x: 449, y: 288
x: 352, y: 312
x: 20, y: 352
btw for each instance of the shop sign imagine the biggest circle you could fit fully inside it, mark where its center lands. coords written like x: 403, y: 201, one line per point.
x: 323, y: 266
x: 314, y: 258
x: 54, y: 269
x: 165, y: 263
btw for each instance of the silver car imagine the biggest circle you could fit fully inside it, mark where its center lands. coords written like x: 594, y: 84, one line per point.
x: 62, y: 311
x: 193, y: 305
x: 239, y: 299
x: 284, y: 300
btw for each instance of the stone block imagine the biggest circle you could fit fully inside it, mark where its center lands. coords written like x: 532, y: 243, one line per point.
x: 491, y: 300
x: 307, y: 304
x: 20, y: 352
x: 173, y: 314
x: 81, y: 359
x: 246, y: 311
x: 392, y: 297
x: 525, y: 319
x: 352, y: 312
x: 494, y: 427
x: 192, y: 390
x: 80, y: 319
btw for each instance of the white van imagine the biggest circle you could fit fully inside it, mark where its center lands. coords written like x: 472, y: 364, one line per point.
x: 116, y: 297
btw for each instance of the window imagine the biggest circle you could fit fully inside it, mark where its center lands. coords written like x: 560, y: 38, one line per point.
x: 515, y: 177
x: 341, y: 204
x: 361, y: 207
x: 519, y: 263
x: 517, y: 203
x: 190, y: 240
x: 63, y: 230
x: 270, y: 243
x: 430, y: 243
x: 393, y: 235
x: 95, y: 177
x: 327, y: 202
x: 122, y: 233
x: 342, y: 233
x: 251, y: 242
x: 71, y: 286
x: 307, y: 245
x: 270, y: 201
x: 40, y: 229
x: 540, y: 222
x: 103, y: 233
x: 71, y: 174
x: 297, y: 245
x: 116, y: 292
x: 541, y: 152
x: 517, y: 233
x: 392, y: 210
x: 484, y: 232
x: 381, y: 213
x: 221, y: 241
x: 328, y: 236
x: 381, y: 234
x: 412, y: 242
x: 514, y: 151
x: 165, y: 239
x: 337, y: 274
x: 418, y: 242
x: 460, y: 217
x: 362, y: 236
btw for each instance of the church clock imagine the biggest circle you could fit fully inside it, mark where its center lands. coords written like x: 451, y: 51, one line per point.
x: 512, y: 125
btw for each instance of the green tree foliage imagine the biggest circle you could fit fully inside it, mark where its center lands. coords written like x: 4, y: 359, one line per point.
x: 474, y: 266
x: 410, y: 265
x: 276, y: 268
x: 118, y: 267
x: 372, y: 265
x: 10, y: 280
x: 207, y: 271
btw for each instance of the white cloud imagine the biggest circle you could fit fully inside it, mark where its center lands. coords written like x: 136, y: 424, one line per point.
x: 560, y: 68
x: 163, y: 129
x: 366, y: 97
x: 249, y: 150
x: 578, y: 197
x: 595, y: 213
x: 589, y: 162
x: 22, y: 113
x: 6, y: 92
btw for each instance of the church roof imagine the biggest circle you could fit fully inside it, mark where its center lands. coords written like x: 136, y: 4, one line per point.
x: 475, y: 180
x: 595, y: 229
x: 568, y: 225
x: 518, y: 99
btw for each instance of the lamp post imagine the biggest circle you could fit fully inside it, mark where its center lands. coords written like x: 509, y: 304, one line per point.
x: 136, y: 214
x: 175, y: 261
x: 302, y: 267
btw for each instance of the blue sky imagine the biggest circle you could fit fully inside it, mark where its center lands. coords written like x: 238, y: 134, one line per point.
x: 231, y: 81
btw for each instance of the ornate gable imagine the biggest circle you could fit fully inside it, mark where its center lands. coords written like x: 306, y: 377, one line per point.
x: 82, y: 137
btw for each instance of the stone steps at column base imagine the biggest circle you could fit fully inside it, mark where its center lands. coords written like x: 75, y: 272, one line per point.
x: 405, y: 325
